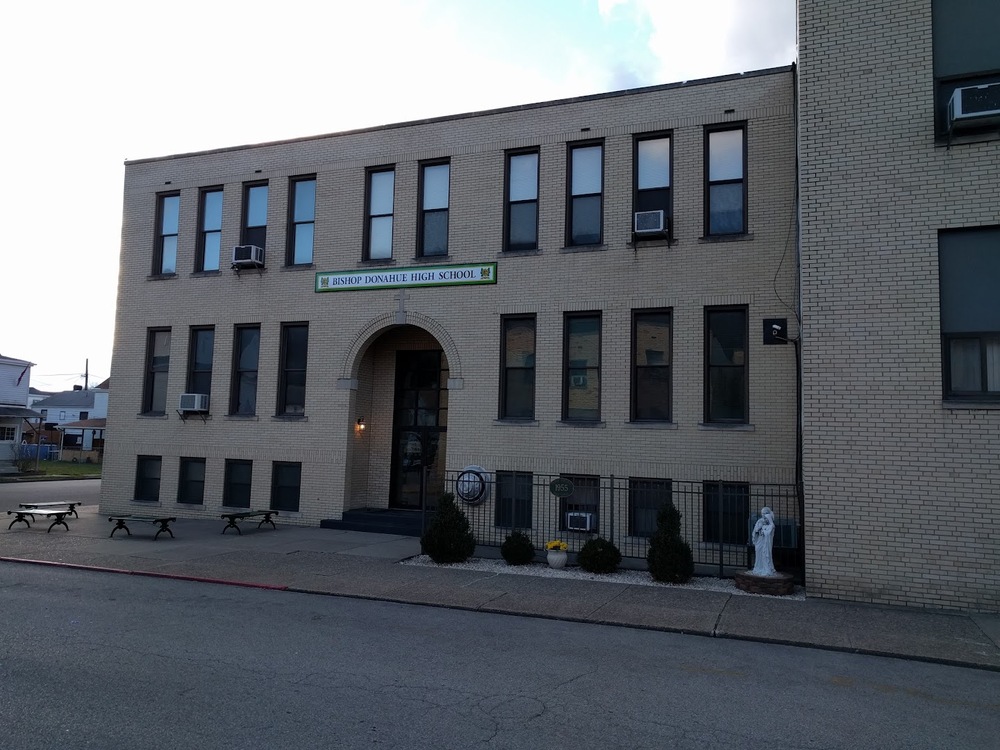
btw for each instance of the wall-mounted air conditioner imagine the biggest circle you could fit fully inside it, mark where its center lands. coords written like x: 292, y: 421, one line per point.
x: 972, y: 105
x: 578, y: 381
x: 649, y: 222
x: 193, y: 402
x: 248, y: 256
x: 578, y: 521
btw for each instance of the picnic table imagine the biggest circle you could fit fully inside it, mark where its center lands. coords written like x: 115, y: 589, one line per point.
x: 163, y: 521
x: 240, y: 515
x: 70, y: 505
x: 57, y: 514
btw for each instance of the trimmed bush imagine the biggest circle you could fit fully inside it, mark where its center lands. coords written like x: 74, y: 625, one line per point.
x: 448, y: 539
x: 599, y: 556
x: 669, y: 556
x: 517, y: 549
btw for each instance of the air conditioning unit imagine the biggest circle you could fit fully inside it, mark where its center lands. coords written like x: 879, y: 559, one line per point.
x: 972, y: 105
x: 248, y: 256
x: 577, y: 521
x: 649, y: 222
x: 193, y: 402
x: 578, y: 381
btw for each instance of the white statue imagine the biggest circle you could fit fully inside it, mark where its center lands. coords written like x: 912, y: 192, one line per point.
x: 762, y: 538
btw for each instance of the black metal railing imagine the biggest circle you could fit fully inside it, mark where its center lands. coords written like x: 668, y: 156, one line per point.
x: 716, y: 517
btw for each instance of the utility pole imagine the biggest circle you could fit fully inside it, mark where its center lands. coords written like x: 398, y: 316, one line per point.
x: 86, y: 373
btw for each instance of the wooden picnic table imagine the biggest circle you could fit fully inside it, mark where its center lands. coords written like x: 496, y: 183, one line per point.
x: 71, y: 505
x: 240, y: 515
x: 58, y: 515
x: 163, y: 521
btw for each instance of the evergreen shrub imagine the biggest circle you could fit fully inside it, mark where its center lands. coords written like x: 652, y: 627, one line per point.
x: 448, y: 539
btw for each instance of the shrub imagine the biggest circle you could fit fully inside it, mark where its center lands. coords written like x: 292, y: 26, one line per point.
x: 517, y: 549
x: 599, y: 556
x: 448, y: 538
x: 669, y: 556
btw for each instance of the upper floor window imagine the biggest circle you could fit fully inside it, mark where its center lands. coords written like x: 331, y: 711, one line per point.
x: 725, y: 181
x: 167, y: 223
x: 154, y: 396
x: 517, y: 356
x: 521, y: 206
x: 652, y: 183
x: 582, y: 367
x: 434, y: 185
x: 292, y: 378
x: 726, y: 381
x: 200, y: 352
x: 303, y: 221
x: 210, y: 233
x: 970, y: 313
x: 966, y: 55
x: 246, y: 353
x: 84, y: 415
x: 586, y: 182
x: 651, y: 365
x: 255, y: 215
x: 378, y: 239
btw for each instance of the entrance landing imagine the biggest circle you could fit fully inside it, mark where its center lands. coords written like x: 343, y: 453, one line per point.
x: 378, y: 521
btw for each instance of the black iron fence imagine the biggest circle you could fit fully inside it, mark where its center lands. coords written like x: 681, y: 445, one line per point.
x: 716, y: 517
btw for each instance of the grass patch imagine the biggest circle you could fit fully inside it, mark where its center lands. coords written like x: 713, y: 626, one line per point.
x: 68, y: 469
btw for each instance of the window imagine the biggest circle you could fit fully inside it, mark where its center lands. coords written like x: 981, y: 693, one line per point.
x: 292, y: 378
x: 378, y: 239
x: 8, y: 433
x: 970, y: 313
x: 512, y: 508
x: 725, y: 512
x: 84, y: 415
x: 236, y: 486
x: 521, y: 208
x: 582, y: 367
x: 210, y: 232
x: 652, y: 176
x: 200, y: 351
x: 254, y: 215
x: 586, y: 498
x: 302, y: 221
x: 965, y: 54
x: 167, y: 222
x: 433, y: 232
x: 191, y: 484
x: 246, y: 352
x: 645, y: 498
x: 286, y: 478
x: 651, y: 352
x: 586, y: 181
x: 154, y: 397
x: 726, y: 379
x: 62, y: 416
x: 45, y: 413
x: 147, y: 479
x: 517, y: 368
x: 725, y: 196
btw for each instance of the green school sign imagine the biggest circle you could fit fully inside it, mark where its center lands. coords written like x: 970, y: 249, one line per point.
x: 395, y: 278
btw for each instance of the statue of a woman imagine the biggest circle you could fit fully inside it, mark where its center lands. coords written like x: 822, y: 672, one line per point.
x: 762, y: 538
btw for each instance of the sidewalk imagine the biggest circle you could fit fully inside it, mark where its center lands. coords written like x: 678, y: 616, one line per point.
x: 346, y: 563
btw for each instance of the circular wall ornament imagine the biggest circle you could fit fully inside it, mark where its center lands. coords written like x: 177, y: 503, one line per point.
x: 473, y: 485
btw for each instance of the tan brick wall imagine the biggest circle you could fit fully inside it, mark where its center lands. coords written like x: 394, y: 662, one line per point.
x: 342, y: 469
x: 902, y: 493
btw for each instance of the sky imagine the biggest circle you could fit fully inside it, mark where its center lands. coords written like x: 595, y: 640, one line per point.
x: 88, y: 85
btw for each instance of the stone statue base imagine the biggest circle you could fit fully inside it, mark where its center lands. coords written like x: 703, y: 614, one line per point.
x: 780, y: 584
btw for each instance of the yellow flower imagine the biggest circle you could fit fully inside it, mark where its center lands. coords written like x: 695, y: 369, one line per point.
x: 557, y: 544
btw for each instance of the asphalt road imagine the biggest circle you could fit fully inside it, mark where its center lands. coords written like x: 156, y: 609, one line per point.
x: 95, y: 660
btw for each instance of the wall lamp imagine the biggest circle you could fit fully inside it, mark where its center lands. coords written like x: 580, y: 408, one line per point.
x: 361, y: 423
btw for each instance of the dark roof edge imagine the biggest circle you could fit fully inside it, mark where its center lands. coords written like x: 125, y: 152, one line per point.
x: 480, y: 113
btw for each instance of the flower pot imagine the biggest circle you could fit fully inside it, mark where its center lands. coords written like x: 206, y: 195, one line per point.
x: 556, y: 558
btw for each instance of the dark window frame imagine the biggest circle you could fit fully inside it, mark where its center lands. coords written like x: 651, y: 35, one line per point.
x: 239, y: 373
x: 640, y: 490
x: 422, y: 212
x: 591, y: 484
x: 508, y: 203
x: 161, y: 235
x: 643, y: 196
x: 504, y: 406
x: 570, y: 196
x: 190, y: 491
x: 514, y: 503
x: 154, y: 371
x: 708, y: 366
x: 229, y: 486
x: 278, y: 490
x: 566, y: 376
x: 284, y: 402
x: 144, y: 481
x: 708, y: 183
x: 196, y: 375
x: 203, y: 233
x: 635, y: 367
x: 293, y: 225
x: 735, y: 495
x: 254, y: 234
x: 369, y: 216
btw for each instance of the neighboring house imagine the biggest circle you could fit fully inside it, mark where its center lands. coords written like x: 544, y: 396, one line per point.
x: 79, y: 416
x: 15, y: 377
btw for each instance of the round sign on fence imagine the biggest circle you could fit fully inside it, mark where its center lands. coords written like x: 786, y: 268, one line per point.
x: 561, y: 487
x: 473, y: 485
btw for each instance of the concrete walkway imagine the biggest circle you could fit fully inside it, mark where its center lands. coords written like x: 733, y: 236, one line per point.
x: 345, y: 563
